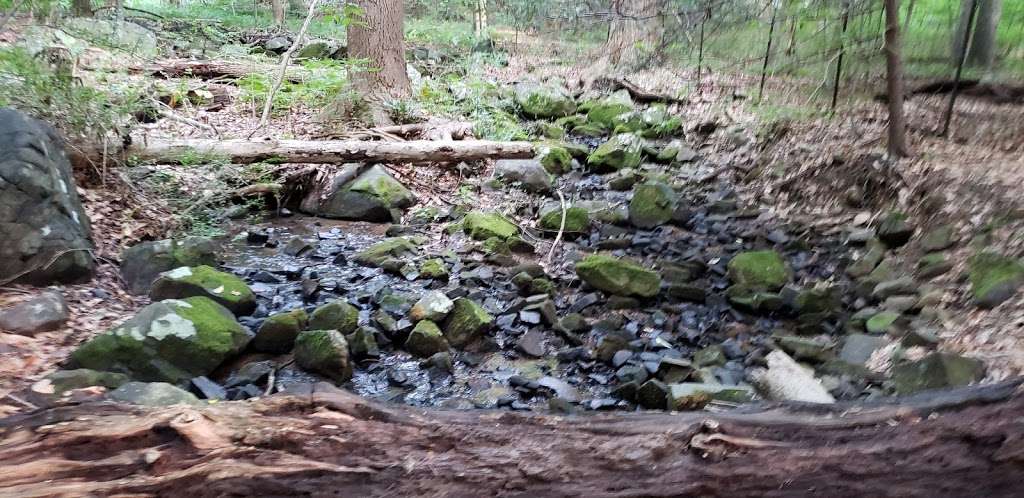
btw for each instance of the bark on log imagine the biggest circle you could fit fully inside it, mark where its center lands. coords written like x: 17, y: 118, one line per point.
x: 967, y: 442
x: 238, y: 151
x: 176, y: 68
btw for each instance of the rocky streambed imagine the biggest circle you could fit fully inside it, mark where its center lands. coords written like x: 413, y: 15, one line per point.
x: 665, y: 290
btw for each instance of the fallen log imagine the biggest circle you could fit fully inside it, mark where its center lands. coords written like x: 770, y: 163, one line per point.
x: 211, y: 69
x: 965, y: 442
x: 238, y: 151
x: 639, y: 94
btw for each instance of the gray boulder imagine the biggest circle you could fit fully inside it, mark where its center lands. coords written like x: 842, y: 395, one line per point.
x: 44, y: 233
x: 528, y: 173
x: 46, y: 312
x: 352, y: 194
x: 124, y: 35
x: 143, y: 263
x: 153, y: 394
x: 546, y: 100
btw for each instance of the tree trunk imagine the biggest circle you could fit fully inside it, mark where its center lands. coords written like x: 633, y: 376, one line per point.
x: 378, y: 37
x: 981, y: 49
x: 323, y: 441
x: 480, y: 19
x: 894, y: 80
x: 279, y: 8
x: 238, y: 151
x: 81, y: 8
x: 636, y: 34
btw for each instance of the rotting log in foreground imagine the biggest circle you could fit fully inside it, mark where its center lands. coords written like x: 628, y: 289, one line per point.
x: 239, y: 151
x: 966, y: 442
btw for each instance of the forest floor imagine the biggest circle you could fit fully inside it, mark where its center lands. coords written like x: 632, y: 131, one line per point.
x: 818, y: 171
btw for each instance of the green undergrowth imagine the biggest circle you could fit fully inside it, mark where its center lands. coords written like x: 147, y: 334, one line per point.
x: 329, y: 78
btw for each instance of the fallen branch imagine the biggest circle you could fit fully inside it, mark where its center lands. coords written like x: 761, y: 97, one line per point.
x: 640, y: 94
x: 191, y: 122
x: 238, y: 151
x: 965, y: 442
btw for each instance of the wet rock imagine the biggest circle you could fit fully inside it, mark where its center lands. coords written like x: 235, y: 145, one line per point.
x: 143, y: 263
x: 631, y: 373
x: 335, y: 315
x: 482, y: 225
x: 994, y: 278
x: 466, y: 322
x: 531, y: 343
x: 297, y: 247
x: 324, y: 352
x: 858, y: 348
x: 435, y: 269
x: 610, y: 344
x: 277, y: 333
x: 882, y: 322
x: 709, y: 356
x: 868, y: 262
x: 933, y: 265
x: 653, y: 394
x: 43, y: 313
x: 561, y: 388
x: 620, y: 151
x: 544, y: 100
x: 527, y: 173
x: 895, y: 230
x: 605, y: 112
x: 426, y: 339
x: 937, y: 371
x: 395, y: 247
x: 577, y: 220
x: 695, y: 395
x: 153, y: 394
x: 226, y: 289
x: 353, y: 194
x: 899, y: 286
x: 440, y: 362
x: 653, y: 204
x: 938, y: 239
x: 208, y: 389
x: 815, y: 349
x: 433, y: 306
x: 623, y: 179
x: 41, y: 217
x: 674, y: 370
x: 618, y: 276
x: 61, y: 381
x: 362, y: 343
x: 759, y: 270
x: 171, y: 341
x: 786, y: 380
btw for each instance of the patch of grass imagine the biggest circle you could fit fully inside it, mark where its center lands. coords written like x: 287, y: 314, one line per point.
x: 329, y: 78
x: 464, y: 94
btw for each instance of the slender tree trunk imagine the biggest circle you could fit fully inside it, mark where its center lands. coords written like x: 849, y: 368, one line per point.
x: 480, y: 19
x: 81, y: 8
x: 279, y: 8
x: 378, y: 38
x: 910, y: 14
x: 981, y: 48
x: 894, y: 80
x: 635, y: 35
x: 961, y: 56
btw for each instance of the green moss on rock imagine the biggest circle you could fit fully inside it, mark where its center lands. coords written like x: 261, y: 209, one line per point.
x: 759, y: 270
x: 324, y: 352
x: 224, y: 288
x: 483, y: 225
x: 937, y: 371
x: 335, y: 315
x: 994, y: 278
x: 466, y: 322
x: 606, y: 111
x: 577, y: 220
x: 435, y: 269
x: 652, y: 205
x: 620, y: 151
x: 546, y: 100
x: 555, y: 159
x: 618, y: 276
x: 395, y: 247
x: 426, y: 339
x: 170, y: 341
x: 277, y: 333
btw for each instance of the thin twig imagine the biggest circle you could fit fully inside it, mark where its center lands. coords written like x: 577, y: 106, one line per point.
x: 285, y: 60
x: 561, y: 228
x: 191, y: 122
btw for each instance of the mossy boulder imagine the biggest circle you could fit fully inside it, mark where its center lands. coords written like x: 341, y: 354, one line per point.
x: 353, y: 194
x: 62, y: 381
x: 528, y: 174
x: 652, y: 205
x: 759, y: 270
x: 143, y: 263
x: 482, y: 225
x: 362, y: 343
x: 434, y: 268
x: 895, y: 230
x: 882, y: 322
x: 550, y: 130
x: 324, y: 352
x: 577, y: 220
x: 544, y: 100
x: 754, y: 300
x: 168, y: 341
x: 569, y: 122
x: 621, y: 151
x: 466, y: 321
x: 153, y: 394
x: 605, y: 112
x: 937, y: 371
x: 426, y: 339
x: 554, y: 158
x: 618, y: 276
x: 658, y: 123
x: 278, y: 332
x: 395, y: 247
x: 994, y: 278
x: 224, y: 288
x: 590, y: 130
x: 938, y: 239
x: 335, y: 315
